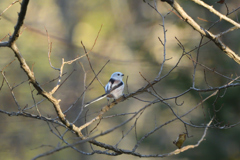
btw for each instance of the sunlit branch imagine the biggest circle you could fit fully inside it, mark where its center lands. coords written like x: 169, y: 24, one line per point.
x: 206, y: 33
x: 220, y: 15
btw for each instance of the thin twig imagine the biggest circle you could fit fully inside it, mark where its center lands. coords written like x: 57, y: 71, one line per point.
x: 50, y: 51
x: 9, y: 7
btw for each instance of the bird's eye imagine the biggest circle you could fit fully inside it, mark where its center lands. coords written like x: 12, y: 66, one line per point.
x: 118, y: 74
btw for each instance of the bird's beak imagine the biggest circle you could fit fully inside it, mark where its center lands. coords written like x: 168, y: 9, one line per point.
x: 122, y: 74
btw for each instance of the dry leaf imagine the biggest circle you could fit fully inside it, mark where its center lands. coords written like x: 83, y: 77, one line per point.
x: 180, y: 140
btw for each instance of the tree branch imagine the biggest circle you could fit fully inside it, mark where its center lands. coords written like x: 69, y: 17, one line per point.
x: 205, y: 32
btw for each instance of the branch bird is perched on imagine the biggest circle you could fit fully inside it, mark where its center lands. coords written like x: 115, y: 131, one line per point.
x: 113, y: 89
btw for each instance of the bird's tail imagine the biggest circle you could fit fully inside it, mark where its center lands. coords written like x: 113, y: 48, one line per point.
x: 96, y: 99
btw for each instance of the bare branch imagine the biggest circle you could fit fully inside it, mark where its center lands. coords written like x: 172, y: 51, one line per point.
x: 206, y: 33
x: 220, y: 15
x: 9, y: 7
x: 50, y: 50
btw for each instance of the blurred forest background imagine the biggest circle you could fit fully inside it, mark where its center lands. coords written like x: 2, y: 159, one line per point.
x: 129, y: 39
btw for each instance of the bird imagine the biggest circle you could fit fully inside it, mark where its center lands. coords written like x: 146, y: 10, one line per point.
x: 113, y: 89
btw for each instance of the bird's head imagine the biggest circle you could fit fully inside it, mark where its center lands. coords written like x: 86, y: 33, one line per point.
x: 117, y: 75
